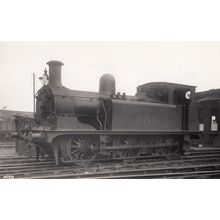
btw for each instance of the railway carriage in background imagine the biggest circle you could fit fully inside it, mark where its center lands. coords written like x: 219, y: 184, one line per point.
x: 207, y: 106
x: 76, y: 125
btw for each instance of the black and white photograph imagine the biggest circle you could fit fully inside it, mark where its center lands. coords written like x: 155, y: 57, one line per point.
x: 109, y: 110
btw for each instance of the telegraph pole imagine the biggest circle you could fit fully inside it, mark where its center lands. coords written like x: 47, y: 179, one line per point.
x: 34, y: 93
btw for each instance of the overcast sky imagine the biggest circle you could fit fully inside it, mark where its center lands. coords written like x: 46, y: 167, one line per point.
x: 132, y: 64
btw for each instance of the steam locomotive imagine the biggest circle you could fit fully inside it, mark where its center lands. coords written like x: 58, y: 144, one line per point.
x: 76, y: 125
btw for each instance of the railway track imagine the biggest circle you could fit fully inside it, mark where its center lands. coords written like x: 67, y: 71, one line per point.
x: 191, y: 165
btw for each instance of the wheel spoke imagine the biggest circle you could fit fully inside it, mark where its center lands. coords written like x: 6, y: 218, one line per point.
x: 77, y: 155
x: 126, y: 142
x: 77, y: 147
x: 75, y: 151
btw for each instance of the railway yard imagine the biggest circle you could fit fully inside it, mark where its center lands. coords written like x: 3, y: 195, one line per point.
x: 107, y: 134
x: 194, y: 163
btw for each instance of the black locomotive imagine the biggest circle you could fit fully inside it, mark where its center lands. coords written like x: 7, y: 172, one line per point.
x: 77, y: 125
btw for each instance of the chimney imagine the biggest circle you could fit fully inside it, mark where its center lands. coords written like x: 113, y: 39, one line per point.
x: 55, y: 73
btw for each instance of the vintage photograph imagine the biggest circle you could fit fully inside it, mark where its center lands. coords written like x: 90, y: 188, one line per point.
x: 120, y: 110
x: 109, y: 110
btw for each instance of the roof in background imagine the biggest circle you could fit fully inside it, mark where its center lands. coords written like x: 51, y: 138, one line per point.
x: 11, y: 113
